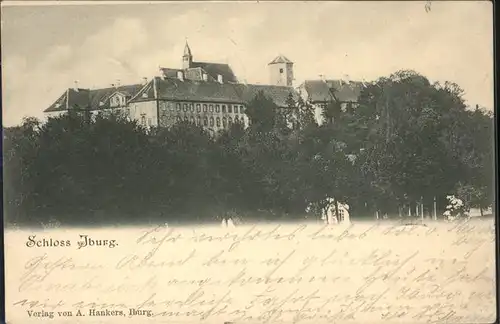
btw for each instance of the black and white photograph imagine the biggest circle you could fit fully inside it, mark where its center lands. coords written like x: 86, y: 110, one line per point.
x: 249, y: 162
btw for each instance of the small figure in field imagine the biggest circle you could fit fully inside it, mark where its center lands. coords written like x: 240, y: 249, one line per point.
x: 230, y: 220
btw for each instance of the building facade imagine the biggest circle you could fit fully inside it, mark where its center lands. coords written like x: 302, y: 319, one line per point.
x: 204, y: 93
x: 319, y: 93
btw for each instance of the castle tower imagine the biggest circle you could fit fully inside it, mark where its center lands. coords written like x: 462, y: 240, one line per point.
x: 281, y: 71
x: 187, y: 58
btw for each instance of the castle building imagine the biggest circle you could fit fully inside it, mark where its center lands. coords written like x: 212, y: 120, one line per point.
x: 206, y: 94
x: 281, y: 71
x: 319, y: 93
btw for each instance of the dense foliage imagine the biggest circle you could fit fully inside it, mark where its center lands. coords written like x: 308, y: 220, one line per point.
x: 406, y: 142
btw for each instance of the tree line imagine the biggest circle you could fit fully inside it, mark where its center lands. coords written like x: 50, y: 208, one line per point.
x: 405, y: 143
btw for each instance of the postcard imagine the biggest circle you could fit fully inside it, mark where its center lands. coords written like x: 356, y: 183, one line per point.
x: 249, y: 162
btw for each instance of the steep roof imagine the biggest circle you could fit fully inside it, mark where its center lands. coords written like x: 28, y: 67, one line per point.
x: 318, y: 91
x: 195, y: 74
x: 214, y: 69
x: 191, y: 90
x: 345, y: 92
x: 187, y: 50
x: 279, y: 94
x: 196, y: 90
x: 280, y: 59
x: 59, y: 104
x: 91, y: 99
x: 327, y: 90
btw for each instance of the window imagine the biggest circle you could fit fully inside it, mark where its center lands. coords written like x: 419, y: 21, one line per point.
x: 198, y: 120
x: 205, y: 121
x: 178, y: 107
x: 143, y: 120
x: 230, y: 120
x: 171, y: 104
x: 198, y: 107
x: 150, y: 122
x: 223, y: 108
x: 229, y: 109
x: 235, y: 109
x: 217, y: 108
x: 224, y: 122
x: 242, y: 109
x: 185, y: 107
x: 191, y: 107
x: 281, y: 70
x: 218, y: 122
x: 204, y: 107
x: 211, y: 108
x: 211, y: 121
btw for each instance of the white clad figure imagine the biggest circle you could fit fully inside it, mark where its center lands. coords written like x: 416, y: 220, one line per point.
x: 230, y: 223
x: 326, y: 209
x: 328, y: 213
x: 344, y: 213
x: 224, y: 222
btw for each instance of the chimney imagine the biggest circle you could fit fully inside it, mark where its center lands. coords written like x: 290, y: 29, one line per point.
x: 144, y: 81
x: 205, y: 77
x: 347, y: 79
x: 180, y: 75
x: 219, y: 78
x: 117, y: 83
x: 76, y: 86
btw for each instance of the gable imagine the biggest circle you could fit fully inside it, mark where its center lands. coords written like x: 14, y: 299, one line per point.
x: 117, y: 99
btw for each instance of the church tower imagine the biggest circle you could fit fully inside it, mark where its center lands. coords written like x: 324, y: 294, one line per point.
x: 187, y: 58
x: 281, y: 71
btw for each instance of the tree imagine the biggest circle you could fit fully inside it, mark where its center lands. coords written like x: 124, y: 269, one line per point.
x: 413, y: 134
x: 262, y: 112
x: 331, y: 112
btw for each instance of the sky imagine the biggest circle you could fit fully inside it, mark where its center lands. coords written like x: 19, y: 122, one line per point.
x: 47, y: 48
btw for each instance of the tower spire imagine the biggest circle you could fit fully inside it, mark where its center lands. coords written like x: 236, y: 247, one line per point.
x: 187, y: 58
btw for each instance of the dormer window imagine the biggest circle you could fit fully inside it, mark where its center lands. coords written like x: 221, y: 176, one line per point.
x: 281, y: 70
x: 144, y: 95
x: 117, y: 101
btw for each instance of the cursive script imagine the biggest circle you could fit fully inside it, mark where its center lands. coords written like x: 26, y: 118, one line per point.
x: 307, y: 273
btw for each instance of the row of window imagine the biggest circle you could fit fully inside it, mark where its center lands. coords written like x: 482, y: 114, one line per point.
x: 208, y: 108
x: 210, y: 121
